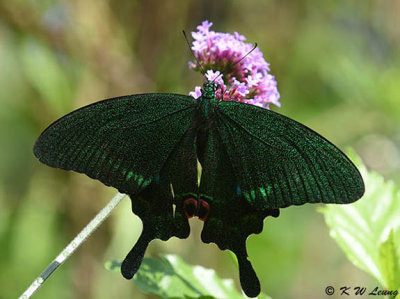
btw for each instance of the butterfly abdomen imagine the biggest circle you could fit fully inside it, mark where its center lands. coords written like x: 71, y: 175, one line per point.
x: 205, y: 123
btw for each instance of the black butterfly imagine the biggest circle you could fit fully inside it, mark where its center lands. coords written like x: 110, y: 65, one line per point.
x: 254, y: 162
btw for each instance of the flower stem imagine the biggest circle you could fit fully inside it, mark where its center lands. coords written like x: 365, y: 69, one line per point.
x: 73, y: 245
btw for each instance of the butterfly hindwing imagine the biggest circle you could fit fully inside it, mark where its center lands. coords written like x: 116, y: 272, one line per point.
x: 231, y: 218
x: 280, y: 162
x: 122, y: 141
x: 181, y: 173
x: 154, y: 206
x: 159, y: 206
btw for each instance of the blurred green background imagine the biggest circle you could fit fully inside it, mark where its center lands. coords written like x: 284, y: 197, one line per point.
x: 337, y: 64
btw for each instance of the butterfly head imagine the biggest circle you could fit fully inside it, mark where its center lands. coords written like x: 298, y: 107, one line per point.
x: 208, y: 90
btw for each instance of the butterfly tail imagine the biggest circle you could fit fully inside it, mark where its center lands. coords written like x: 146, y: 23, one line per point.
x: 133, y: 260
x: 248, y: 277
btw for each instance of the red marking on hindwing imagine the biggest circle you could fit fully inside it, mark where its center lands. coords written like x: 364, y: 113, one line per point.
x: 190, y: 207
x: 204, y: 210
x: 196, y: 207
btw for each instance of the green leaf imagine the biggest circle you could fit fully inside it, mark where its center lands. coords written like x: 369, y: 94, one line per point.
x: 368, y: 230
x: 171, y: 277
x: 389, y: 261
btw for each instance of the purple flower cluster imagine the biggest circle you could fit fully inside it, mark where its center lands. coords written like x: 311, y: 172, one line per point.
x: 247, y: 81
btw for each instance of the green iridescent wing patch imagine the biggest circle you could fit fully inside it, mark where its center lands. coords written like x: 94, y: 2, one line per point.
x: 117, y: 141
x: 280, y: 162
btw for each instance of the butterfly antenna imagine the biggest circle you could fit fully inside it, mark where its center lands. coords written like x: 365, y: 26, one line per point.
x: 254, y: 47
x: 217, y: 77
x: 190, y: 48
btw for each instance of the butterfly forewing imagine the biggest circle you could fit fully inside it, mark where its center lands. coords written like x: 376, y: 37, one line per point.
x: 123, y: 142
x: 280, y: 162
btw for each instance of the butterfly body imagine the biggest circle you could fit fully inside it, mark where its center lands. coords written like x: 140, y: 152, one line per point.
x: 254, y: 162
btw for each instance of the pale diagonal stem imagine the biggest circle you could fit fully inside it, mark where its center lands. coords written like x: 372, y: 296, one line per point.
x: 71, y: 247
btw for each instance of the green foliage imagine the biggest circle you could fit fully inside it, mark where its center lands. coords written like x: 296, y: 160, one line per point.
x: 389, y: 261
x: 171, y: 277
x: 368, y: 231
x: 47, y: 74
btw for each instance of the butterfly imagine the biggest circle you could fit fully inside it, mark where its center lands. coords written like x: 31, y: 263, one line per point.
x: 254, y: 162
